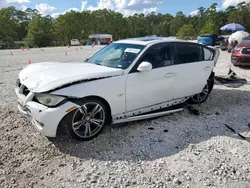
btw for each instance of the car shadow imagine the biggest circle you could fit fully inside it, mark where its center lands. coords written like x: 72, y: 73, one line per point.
x: 168, y: 135
x: 244, y: 67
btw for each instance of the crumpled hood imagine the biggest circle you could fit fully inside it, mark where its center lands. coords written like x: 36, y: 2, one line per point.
x: 45, y: 76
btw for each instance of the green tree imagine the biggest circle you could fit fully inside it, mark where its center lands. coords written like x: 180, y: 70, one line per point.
x: 209, y: 28
x: 240, y: 15
x: 8, y: 26
x: 186, y: 32
x: 40, y: 31
x: 177, y: 23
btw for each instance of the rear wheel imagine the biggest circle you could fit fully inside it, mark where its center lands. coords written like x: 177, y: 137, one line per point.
x: 88, y: 120
x: 202, y: 97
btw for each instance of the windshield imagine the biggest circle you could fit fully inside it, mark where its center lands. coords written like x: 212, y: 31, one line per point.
x: 116, y: 55
x: 248, y: 37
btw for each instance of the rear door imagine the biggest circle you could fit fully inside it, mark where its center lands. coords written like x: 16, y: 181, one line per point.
x: 193, y: 65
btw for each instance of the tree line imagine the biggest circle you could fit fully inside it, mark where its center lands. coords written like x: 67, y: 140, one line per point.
x: 41, y: 31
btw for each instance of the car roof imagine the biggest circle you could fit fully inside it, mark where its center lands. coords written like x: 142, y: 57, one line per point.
x: 149, y: 40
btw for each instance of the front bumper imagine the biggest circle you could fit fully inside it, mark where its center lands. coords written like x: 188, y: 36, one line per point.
x: 45, y: 120
x: 240, y: 60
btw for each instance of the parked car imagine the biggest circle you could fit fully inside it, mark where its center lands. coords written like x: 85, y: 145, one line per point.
x: 241, y: 53
x: 125, y: 81
x: 210, y: 39
x: 224, y: 43
x: 238, y: 36
x: 235, y: 39
x: 75, y: 42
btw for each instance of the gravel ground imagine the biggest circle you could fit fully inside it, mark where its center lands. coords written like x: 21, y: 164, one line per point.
x: 179, y: 150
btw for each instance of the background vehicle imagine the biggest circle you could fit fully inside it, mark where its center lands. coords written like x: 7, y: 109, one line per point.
x: 210, y: 39
x: 224, y: 43
x: 101, y: 38
x: 235, y: 39
x: 127, y: 80
x: 238, y: 36
x: 75, y: 42
x: 241, y: 53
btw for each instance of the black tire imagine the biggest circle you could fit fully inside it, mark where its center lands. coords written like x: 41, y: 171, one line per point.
x: 78, y: 134
x: 210, y: 82
x: 195, y: 99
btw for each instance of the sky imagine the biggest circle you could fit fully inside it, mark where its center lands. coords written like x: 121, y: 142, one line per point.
x: 126, y: 7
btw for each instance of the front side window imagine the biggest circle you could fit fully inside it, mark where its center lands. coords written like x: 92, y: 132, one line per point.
x: 158, y: 55
x: 188, y: 53
x: 117, y: 55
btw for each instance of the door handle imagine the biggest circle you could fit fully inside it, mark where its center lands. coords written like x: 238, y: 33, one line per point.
x: 207, y: 68
x: 169, y: 74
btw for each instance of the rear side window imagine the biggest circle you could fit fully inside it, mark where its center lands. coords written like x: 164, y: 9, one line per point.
x: 208, y: 54
x: 188, y: 53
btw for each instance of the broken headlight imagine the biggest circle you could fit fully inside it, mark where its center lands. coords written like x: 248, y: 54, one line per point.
x: 48, y: 99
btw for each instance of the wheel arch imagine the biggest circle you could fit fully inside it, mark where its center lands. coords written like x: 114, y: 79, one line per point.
x: 104, y: 101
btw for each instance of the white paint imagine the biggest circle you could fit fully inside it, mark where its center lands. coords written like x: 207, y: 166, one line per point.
x: 148, y: 88
x: 132, y: 50
x: 109, y: 89
x: 41, y: 77
x: 191, y: 78
x: 124, y: 91
x: 145, y: 67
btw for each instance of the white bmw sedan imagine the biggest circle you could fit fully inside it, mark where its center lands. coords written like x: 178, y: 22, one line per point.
x: 128, y: 80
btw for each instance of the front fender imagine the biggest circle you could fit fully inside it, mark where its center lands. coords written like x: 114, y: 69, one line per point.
x: 110, y: 89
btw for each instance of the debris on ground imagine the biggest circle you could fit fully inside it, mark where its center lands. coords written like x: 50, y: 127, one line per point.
x: 166, y: 131
x: 231, y: 80
x: 234, y: 131
x: 191, y: 109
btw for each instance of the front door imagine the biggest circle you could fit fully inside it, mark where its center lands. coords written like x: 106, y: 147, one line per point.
x: 144, y: 89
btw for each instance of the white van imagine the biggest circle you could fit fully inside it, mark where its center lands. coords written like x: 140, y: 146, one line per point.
x: 74, y: 42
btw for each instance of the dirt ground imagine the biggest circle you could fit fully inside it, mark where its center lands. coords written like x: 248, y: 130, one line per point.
x: 179, y: 150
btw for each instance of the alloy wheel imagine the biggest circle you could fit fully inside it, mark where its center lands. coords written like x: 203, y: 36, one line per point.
x: 88, y: 120
x: 199, y: 98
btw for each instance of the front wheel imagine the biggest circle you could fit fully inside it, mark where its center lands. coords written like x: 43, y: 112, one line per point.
x: 88, y: 120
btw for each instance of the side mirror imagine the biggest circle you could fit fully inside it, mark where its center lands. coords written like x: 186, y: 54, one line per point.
x: 145, y: 67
